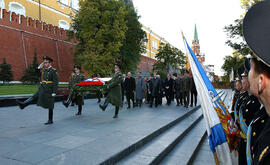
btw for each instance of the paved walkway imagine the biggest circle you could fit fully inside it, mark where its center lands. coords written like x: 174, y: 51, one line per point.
x: 87, y: 139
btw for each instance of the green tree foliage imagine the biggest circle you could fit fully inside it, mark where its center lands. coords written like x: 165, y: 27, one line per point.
x: 133, y: 46
x: 168, y: 56
x: 99, y: 27
x: 232, y: 62
x: 236, y: 41
x: 246, y: 4
x: 5, y: 72
x: 32, y: 74
x: 234, y: 31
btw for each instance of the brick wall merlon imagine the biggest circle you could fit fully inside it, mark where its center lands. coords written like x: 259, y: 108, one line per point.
x: 27, y: 23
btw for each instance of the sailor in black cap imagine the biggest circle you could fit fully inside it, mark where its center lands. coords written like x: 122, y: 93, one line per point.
x: 47, y: 89
x: 249, y: 106
x: 74, y: 95
x: 256, y: 31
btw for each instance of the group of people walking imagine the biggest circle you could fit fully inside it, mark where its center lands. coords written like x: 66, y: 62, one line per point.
x: 153, y: 89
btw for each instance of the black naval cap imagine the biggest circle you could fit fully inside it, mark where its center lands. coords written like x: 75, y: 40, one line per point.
x: 77, y: 66
x: 246, y: 68
x: 240, y: 71
x: 47, y: 58
x: 256, y: 30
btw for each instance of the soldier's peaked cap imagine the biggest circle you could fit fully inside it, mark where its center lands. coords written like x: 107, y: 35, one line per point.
x: 240, y: 71
x: 247, y: 65
x: 256, y: 30
x: 47, y: 58
x: 77, y: 66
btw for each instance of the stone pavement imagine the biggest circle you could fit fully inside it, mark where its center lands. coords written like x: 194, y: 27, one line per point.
x: 88, y: 139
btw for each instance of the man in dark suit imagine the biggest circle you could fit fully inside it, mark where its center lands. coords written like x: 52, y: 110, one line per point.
x: 154, y: 86
x: 169, y: 88
x: 130, y: 87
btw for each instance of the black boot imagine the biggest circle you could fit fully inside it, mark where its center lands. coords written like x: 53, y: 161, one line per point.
x: 67, y: 102
x: 104, y: 106
x: 25, y: 103
x: 50, y: 121
x: 116, y: 112
x: 79, y: 110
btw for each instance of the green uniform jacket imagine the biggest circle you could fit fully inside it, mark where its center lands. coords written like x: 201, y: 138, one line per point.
x: 186, y: 84
x: 75, y: 79
x: 114, y: 94
x: 46, y: 89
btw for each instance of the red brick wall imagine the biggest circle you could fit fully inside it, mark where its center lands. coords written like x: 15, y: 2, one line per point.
x: 21, y: 35
x: 146, y: 64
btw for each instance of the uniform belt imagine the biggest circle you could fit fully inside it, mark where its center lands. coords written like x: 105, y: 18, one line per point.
x: 47, y: 82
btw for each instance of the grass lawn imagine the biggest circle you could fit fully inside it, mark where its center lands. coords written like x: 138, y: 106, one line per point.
x: 18, y: 89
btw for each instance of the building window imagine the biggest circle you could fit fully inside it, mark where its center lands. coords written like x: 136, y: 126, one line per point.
x: 74, y: 4
x: 63, y: 24
x: 2, y: 4
x: 65, y: 2
x: 154, y: 44
x: 16, y: 8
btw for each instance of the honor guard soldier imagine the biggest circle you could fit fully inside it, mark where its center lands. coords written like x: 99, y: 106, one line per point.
x: 114, y: 92
x: 256, y: 31
x: 47, y: 89
x: 248, y: 109
x: 75, y: 96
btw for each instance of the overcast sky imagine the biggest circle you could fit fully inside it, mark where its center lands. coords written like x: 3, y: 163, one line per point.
x: 168, y: 18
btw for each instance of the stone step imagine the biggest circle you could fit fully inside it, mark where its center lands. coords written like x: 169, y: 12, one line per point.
x: 145, y: 140
x: 203, y: 155
x: 183, y: 152
x: 155, y: 150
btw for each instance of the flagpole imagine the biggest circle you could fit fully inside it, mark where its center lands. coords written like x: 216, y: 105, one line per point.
x: 184, y: 39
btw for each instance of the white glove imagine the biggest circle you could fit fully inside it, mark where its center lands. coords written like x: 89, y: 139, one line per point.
x: 41, y: 65
x: 53, y: 94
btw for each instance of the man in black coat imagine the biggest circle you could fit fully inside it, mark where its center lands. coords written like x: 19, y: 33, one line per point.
x: 130, y: 87
x: 193, y: 93
x: 169, y: 89
x: 177, y: 87
x: 155, y: 90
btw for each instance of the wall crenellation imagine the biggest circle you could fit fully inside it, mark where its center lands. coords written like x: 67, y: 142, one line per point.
x: 27, y: 23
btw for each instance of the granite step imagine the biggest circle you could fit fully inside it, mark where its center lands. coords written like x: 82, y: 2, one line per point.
x: 154, y: 151
x: 148, y: 138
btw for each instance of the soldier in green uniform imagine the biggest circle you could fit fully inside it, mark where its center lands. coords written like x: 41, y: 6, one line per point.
x: 47, y: 89
x: 256, y: 32
x: 114, y: 92
x: 74, y: 96
x: 186, y: 88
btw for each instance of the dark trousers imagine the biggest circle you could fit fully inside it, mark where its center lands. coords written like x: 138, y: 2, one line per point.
x: 179, y: 99
x: 50, y: 115
x: 242, y: 159
x: 186, y: 98
x: 193, y: 94
x: 130, y: 96
x: 99, y: 95
x: 156, y: 98
x: 116, y: 110
x: 123, y: 94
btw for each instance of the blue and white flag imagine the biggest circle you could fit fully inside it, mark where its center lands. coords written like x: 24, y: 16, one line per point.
x: 216, y: 115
